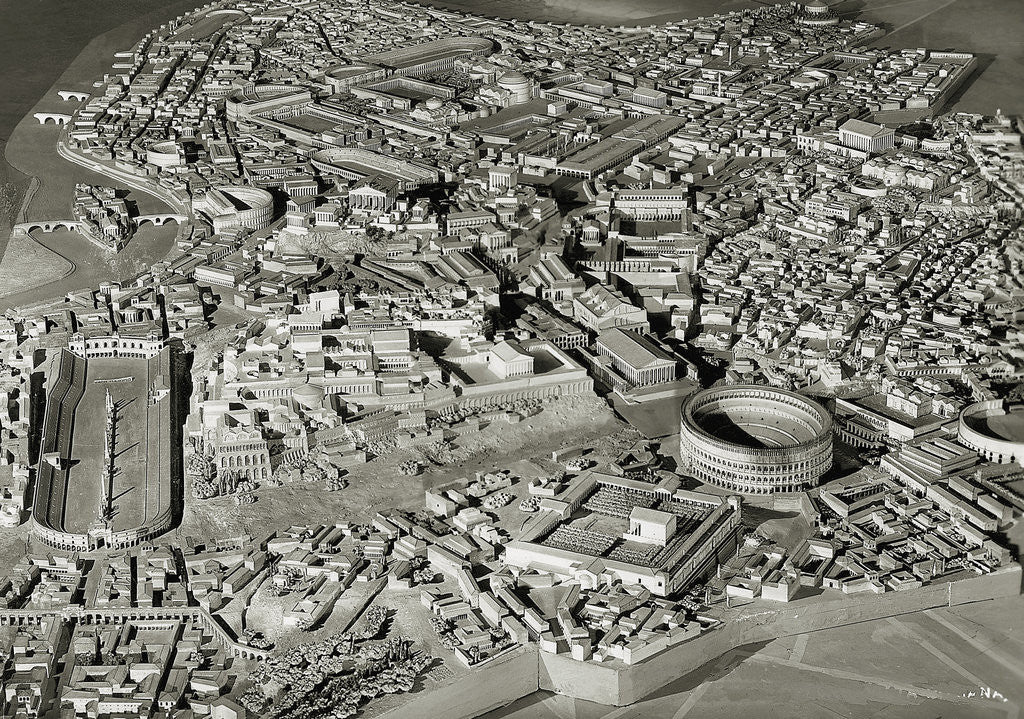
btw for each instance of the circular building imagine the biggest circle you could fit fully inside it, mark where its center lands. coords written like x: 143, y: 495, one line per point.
x: 166, y: 153
x: 755, y: 439
x: 995, y: 430
x: 310, y: 396
x: 817, y: 13
x: 232, y: 206
x: 518, y: 86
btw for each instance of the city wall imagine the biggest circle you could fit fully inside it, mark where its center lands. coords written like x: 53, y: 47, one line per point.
x: 526, y: 670
x: 604, y: 684
x: 498, y: 683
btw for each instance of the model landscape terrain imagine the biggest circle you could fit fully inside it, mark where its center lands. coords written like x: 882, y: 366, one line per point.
x: 377, y: 359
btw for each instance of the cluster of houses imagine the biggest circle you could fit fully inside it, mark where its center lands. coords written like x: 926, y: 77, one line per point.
x: 103, y: 216
x: 928, y: 516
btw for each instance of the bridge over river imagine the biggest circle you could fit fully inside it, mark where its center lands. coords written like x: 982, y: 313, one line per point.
x: 158, y: 219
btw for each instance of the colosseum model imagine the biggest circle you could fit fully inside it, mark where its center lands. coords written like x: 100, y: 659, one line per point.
x: 754, y: 439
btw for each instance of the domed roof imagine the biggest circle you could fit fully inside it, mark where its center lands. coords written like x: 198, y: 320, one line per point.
x: 513, y: 77
x: 308, y: 395
x: 815, y: 5
x: 434, y: 103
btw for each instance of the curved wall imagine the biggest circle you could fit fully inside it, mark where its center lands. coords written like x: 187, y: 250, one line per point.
x: 51, y: 496
x: 354, y: 163
x: 754, y: 439
x: 260, y: 203
x: 993, y: 447
x: 164, y: 154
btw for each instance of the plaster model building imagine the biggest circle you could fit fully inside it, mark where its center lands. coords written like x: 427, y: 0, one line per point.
x: 663, y: 550
x: 755, y: 440
x: 866, y: 136
x: 635, y: 358
x: 993, y: 428
x: 650, y: 525
x: 509, y: 360
x: 229, y: 207
x: 406, y: 244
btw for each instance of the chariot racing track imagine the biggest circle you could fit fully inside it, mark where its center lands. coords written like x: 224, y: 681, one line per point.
x: 69, y: 493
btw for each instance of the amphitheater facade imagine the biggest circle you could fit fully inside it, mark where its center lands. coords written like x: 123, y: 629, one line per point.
x: 995, y: 430
x: 754, y: 439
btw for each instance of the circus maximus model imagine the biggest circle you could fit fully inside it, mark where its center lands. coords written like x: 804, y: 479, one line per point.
x: 405, y: 235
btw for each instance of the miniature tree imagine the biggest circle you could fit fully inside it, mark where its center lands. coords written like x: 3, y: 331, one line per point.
x: 424, y: 575
x: 498, y: 637
x: 245, y: 486
x: 225, y: 480
x: 87, y: 658
x: 374, y: 619
x: 312, y: 472
x: 438, y: 452
x: 256, y: 640
x: 440, y: 625
x: 254, y: 701
x: 448, y: 641
x: 335, y: 483
x: 410, y: 468
x: 203, y: 489
x: 577, y: 464
x: 198, y: 465
x: 198, y: 658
